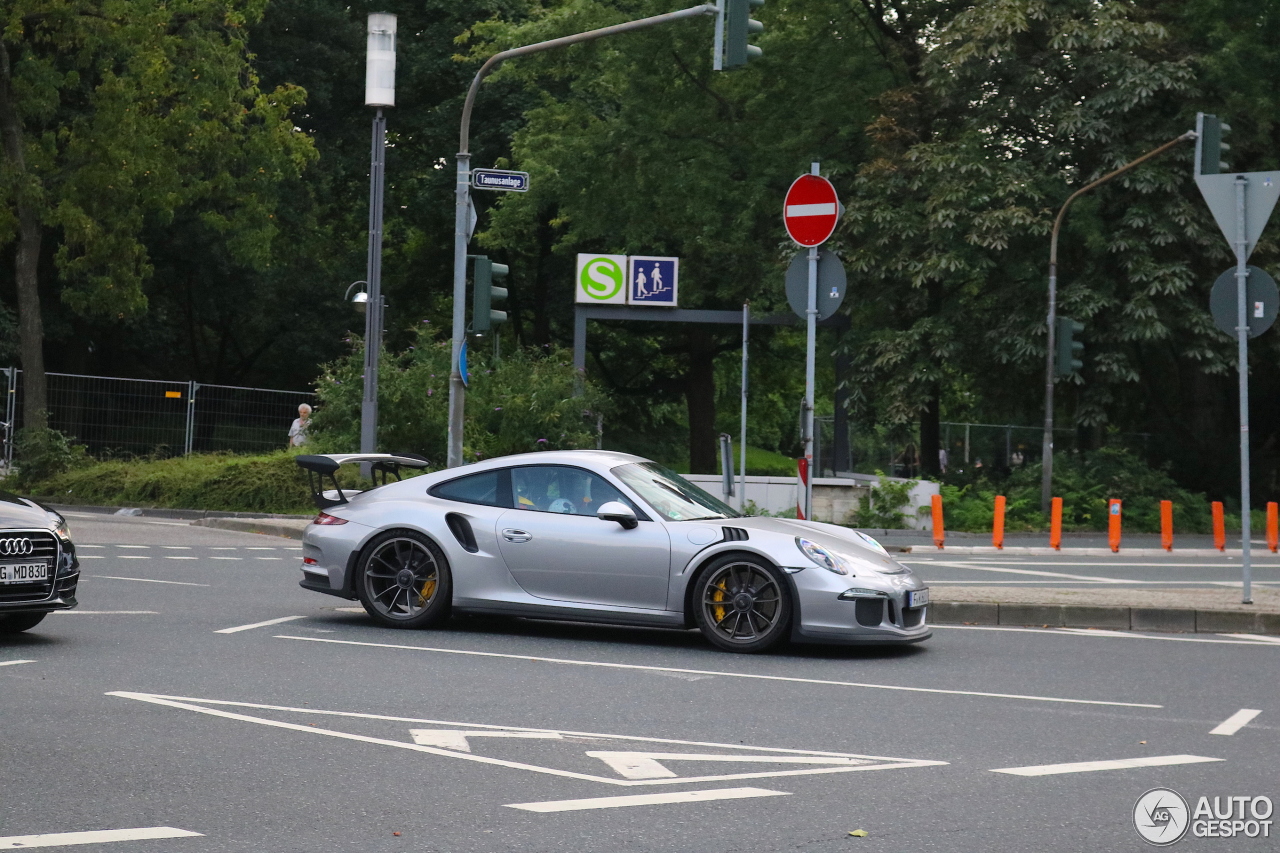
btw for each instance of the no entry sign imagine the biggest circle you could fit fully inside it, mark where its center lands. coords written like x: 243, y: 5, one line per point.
x: 811, y: 210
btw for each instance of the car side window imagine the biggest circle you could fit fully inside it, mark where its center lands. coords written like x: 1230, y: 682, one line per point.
x: 562, y: 489
x: 489, y: 488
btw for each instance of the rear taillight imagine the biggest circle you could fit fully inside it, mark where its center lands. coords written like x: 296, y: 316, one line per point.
x: 310, y: 561
x: 325, y: 518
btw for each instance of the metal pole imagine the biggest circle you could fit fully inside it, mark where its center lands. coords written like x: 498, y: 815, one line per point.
x: 462, y: 198
x: 1242, y: 356
x: 373, y: 308
x: 810, y: 360
x: 191, y: 417
x: 1046, y: 447
x: 742, y: 419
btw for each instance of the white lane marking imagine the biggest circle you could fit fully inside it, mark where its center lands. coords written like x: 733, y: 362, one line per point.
x: 148, y: 580
x: 268, y: 558
x: 647, y: 799
x: 224, y: 548
x: 105, y: 612
x: 727, y: 674
x: 226, y: 558
x: 133, y: 557
x: 102, y: 836
x: 182, y: 702
x: 92, y: 557
x: 822, y: 208
x: 259, y: 548
x: 1257, y: 638
x: 176, y: 547
x: 1096, y: 632
x: 1203, y: 564
x: 14, y: 662
x: 240, y: 628
x: 169, y: 523
x: 1235, y: 722
x: 176, y: 557
x: 133, y: 546
x: 454, y: 739
x: 78, y: 547
x: 977, y: 568
x: 1117, y: 764
x: 645, y: 765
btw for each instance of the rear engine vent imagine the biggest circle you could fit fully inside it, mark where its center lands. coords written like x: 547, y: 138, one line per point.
x: 734, y: 534
x: 461, y: 529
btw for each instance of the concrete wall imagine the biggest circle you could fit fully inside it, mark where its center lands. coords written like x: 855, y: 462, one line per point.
x: 834, y: 498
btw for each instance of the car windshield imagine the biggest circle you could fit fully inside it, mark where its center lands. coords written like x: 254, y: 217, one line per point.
x: 672, y: 496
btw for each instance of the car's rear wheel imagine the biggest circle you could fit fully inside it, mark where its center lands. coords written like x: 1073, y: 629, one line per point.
x: 741, y: 604
x: 15, y: 623
x: 404, y: 580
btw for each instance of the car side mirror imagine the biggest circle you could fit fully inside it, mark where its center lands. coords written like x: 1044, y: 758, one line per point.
x: 619, y: 512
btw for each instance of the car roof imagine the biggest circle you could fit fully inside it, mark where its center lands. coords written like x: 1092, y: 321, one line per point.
x: 602, y: 459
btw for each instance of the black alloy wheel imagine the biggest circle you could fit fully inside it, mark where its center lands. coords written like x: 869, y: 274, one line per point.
x: 741, y: 604
x: 404, y: 580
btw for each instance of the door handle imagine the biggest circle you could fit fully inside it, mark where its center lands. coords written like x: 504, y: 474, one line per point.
x: 513, y: 535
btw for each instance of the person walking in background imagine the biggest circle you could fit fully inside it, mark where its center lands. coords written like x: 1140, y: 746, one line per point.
x: 298, y: 430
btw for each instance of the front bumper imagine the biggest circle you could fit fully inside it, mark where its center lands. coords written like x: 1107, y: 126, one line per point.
x: 58, y: 593
x: 877, y: 613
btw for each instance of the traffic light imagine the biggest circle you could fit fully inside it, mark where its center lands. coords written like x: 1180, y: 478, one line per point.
x: 1069, y: 349
x: 738, y: 25
x: 483, y: 316
x: 1209, y: 144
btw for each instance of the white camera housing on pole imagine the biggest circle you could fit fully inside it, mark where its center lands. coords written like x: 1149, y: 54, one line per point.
x: 380, y: 61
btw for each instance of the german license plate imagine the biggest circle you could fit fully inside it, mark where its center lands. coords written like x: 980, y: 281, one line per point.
x: 918, y: 597
x: 23, y: 572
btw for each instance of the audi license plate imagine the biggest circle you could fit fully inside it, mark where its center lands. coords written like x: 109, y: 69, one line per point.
x: 918, y: 597
x: 23, y: 572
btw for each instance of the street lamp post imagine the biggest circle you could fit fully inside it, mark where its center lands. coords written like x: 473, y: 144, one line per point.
x: 1046, y: 449
x: 462, y: 200
x: 379, y: 92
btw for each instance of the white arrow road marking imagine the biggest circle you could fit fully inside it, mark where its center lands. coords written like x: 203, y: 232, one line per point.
x: 185, y: 703
x: 1118, y: 764
x: 1235, y: 722
x: 240, y: 628
x: 454, y: 739
x: 66, y: 839
x: 647, y: 799
x: 822, y: 209
x: 644, y: 765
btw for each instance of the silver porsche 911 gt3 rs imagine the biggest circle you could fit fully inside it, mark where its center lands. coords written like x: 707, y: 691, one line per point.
x: 597, y: 536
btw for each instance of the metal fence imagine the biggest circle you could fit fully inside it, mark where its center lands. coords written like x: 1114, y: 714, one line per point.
x: 116, y: 417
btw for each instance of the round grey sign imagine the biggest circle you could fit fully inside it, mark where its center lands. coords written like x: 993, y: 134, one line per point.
x: 1261, y: 302
x: 831, y: 284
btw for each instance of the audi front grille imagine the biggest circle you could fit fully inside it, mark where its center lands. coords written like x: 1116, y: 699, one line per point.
x: 42, y: 548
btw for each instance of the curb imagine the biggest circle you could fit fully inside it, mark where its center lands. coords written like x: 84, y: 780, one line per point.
x: 265, y: 526
x: 990, y: 551
x: 161, y: 512
x: 1111, y: 617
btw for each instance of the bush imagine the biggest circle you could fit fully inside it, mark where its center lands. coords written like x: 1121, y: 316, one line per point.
x: 521, y: 402
x: 1085, y: 482
x: 42, y: 453
x: 882, y: 508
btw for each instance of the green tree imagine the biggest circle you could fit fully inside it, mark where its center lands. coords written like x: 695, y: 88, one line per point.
x: 120, y: 114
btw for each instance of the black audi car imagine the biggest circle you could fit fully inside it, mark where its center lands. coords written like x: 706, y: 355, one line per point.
x: 38, y: 565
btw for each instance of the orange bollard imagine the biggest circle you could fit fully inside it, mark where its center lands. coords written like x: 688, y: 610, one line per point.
x: 1055, y: 524
x: 1219, y: 527
x: 939, y: 534
x: 1113, y: 525
x: 1273, y: 526
x: 1166, y: 525
x: 997, y: 524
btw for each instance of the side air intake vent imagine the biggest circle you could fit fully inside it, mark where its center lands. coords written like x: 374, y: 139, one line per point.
x: 734, y: 534
x: 461, y: 530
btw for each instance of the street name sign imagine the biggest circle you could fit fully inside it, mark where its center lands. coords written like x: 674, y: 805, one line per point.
x: 832, y: 283
x: 500, y: 179
x: 601, y: 280
x: 811, y: 210
x: 652, y: 281
x: 1262, y: 300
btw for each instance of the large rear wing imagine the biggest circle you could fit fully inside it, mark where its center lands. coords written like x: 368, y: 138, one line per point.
x: 320, y: 467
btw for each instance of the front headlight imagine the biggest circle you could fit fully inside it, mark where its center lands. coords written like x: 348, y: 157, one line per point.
x: 829, y: 560
x: 60, y: 528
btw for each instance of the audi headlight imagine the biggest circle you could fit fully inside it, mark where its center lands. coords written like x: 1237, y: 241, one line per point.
x: 829, y: 560
x: 60, y: 528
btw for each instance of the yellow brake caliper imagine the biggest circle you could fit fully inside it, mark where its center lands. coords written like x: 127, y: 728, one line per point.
x: 717, y: 610
x: 428, y: 590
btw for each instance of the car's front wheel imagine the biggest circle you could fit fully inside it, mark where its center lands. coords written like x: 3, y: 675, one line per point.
x: 15, y: 623
x: 404, y: 580
x: 741, y: 604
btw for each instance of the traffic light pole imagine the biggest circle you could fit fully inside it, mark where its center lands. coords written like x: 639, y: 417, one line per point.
x: 462, y: 198
x: 1242, y: 355
x: 373, y: 308
x: 1046, y: 447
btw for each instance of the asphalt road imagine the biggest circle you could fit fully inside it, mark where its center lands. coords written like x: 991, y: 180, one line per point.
x: 1072, y: 570
x: 326, y: 733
